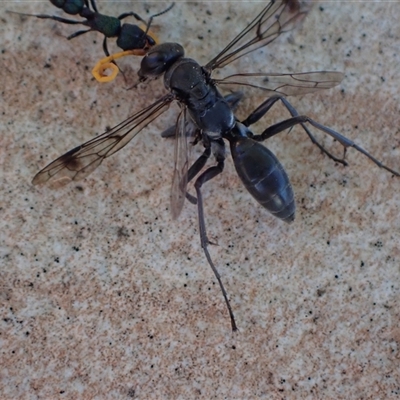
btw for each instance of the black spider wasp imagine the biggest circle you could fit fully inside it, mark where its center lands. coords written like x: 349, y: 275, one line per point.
x: 130, y: 38
x: 210, y: 115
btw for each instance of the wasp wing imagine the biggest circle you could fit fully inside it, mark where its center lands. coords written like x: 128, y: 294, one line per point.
x: 285, y: 84
x: 181, y: 161
x: 82, y: 160
x: 276, y: 18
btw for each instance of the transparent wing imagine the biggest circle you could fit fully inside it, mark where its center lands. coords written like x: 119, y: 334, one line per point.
x: 82, y: 160
x: 276, y: 18
x: 181, y: 159
x: 286, y: 84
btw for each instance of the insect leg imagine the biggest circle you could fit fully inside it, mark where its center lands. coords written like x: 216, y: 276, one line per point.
x: 196, y: 167
x: 53, y: 17
x: 105, y: 48
x: 132, y: 14
x: 59, y: 19
x: 260, y: 111
x: 139, y: 18
x: 208, y: 174
x: 93, y: 4
x: 301, y: 119
x: 76, y: 34
x: 234, y: 99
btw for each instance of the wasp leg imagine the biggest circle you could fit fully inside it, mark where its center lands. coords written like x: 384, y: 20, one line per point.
x: 208, y: 174
x: 302, y: 119
x: 260, y: 111
x: 196, y: 167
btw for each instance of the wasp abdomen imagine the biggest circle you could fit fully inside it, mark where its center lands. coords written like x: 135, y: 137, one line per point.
x: 264, y: 177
